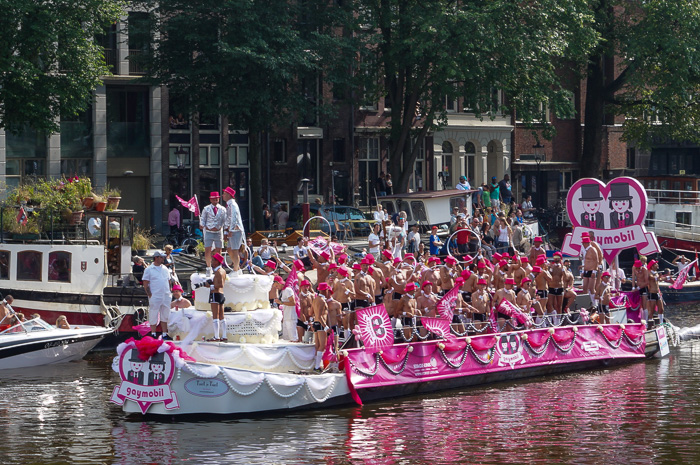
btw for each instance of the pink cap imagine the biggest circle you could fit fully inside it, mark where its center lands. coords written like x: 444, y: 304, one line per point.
x: 214, y: 195
x: 525, y: 280
x: 343, y: 271
x: 218, y: 258
x: 481, y: 265
x: 468, y: 258
x: 433, y: 260
x: 510, y: 281
x: 332, y: 267
x: 585, y: 239
x: 342, y: 258
x: 279, y: 279
x: 410, y: 287
x: 585, y: 234
x: 305, y: 282
x: 356, y: 266
x: 540, y: 260
x: 466, y: 274
x: 230, y: 191
x: 497, y: 256
x: 177, y: 287
x: 637, y: 263
x: 426, y: 283
x: 524, y: 260
x: 505, y: 255
x: 450, y: 259
x: 271, y: 264
x: 397, y: 260
x: 536, y: 269
x: 605, y: 273
x: 557, y: 254
x: 387, y: 255
x: 409, y: 256
x: 324, y: 286
x: 370, y: 259
x: 538, y: 239
x: 326, y: 256
x: 503, y: 263
x: 459, y: 281
x: 298, y: 264
x: 370, y: 271
x: 651, y: 264
x: 481, y: 282
x: 366, y: 261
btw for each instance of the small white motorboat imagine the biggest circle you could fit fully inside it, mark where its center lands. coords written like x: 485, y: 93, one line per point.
x: 35, y: 342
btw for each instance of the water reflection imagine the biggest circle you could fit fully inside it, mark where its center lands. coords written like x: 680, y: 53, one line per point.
x: 638, y: 414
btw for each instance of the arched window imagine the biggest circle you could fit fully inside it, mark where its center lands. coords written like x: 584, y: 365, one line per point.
x: 60, y: 266
x: 29, y: 266
x: 447, y: 147
x: 469, y: 148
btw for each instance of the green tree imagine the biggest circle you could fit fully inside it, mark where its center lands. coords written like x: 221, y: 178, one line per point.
x: 254, y: 61
x: 49, y: 62
x: 646, y: 66
x: 418, y: 54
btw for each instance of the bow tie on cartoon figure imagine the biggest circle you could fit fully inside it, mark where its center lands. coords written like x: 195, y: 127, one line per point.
x: 621, y: 206
x: 590, y: 199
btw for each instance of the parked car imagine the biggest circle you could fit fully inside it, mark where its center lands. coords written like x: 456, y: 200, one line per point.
x: 339, y: 216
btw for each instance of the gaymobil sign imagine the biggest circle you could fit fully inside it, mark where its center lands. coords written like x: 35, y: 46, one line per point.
x: 145, y: 382
x: 614, y: 212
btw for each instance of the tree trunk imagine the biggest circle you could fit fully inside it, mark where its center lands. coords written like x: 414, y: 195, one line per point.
x: 591, y: 156
x: 254, y: 158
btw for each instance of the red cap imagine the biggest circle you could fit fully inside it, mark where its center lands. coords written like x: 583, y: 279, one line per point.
x: 481, y: 282
x: 305, y: 282
x: 177, y: 287
x: 343, y: 271
x: 536, y: 269
x: 230, y: 191
x: 538, y: 239
x: 356, y: 266
x: 605, y: 273
x: 271, y: 264
x: 450, y: 259
x: 218, y: 258
x: 214, y: 195
x: 525, y: 280
x: 387, y: 255
x: 426, y: 283
x: 278, y: 279
x: 510, y: 281
x: 410, y: 287
x: 466, y: 274
x: 434, y: 228
x: 324, y: 287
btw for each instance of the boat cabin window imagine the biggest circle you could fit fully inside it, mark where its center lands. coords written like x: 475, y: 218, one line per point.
x: 29, y: 265
x: 389, y: 207
x: 60, y: 266
x: 94, y: 228
x: 4, y: 264
x: 650, y: 220
x: 419, y: 213
x: 684, y: 220
x: 402, y: 205
x: 114, y: 245
x: 458, y: 202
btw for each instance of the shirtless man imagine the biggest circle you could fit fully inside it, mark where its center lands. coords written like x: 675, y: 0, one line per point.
x: 481, y: 301
x: 216, y: 299
x: 505, y: 293
x: 569, y: 293
x: 601, y: 258
x: 364, y: 290
x: 335, y: 316
x: 306, y: 299
x: 320, y: 324
x: 344, y: 293
x: 640, y: 281
x: 178, y: 300
x: 427, y: 300
x: 556, y: 287
x: 603, y: 297
x: 379, y: 283
x: 517, y: 270
x: 524, y: 299
x: 589, y: 255
x: 469, y: 286
x: 406, y: 310
x: 499, y: 277
x: 536, y: 250
x: 654, y: 302
x: 322, y: 264
x: 432, y: 274
x: 448, y: 273
x: 542, y: 279
x: 6, y: 312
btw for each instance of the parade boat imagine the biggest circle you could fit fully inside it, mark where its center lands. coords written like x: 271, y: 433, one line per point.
x: 82, y: 271
x: 35, y: 342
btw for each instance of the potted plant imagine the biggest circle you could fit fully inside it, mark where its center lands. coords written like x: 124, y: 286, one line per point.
x: 143, y: 240
x: 113, y: 196
x: 99, y: 203
x: 30, y: 230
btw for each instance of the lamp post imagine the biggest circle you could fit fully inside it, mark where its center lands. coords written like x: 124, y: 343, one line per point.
x: 305, y: 208
x: 537, y: 149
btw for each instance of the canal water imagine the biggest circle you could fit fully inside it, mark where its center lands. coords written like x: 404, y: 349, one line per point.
x: 644, y: 413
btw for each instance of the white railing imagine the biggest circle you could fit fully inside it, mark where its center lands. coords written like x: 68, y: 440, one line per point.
x: 676, y: 197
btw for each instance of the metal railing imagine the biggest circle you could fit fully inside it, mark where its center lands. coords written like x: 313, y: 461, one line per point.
x: 135, y: 63
x: 671, y: 196
x: 111, y: 59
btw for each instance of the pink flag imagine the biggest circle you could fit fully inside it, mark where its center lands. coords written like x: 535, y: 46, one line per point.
x: 446, y: 305
x: 438, y: 326
x: 683, y: 275
x: 374, y: 328
x: 293, y: 283
x: 192, y: 204
x: 319, y: 245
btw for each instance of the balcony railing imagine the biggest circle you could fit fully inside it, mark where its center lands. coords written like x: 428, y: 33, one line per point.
x: 135, y: 63
x: 111, y: 59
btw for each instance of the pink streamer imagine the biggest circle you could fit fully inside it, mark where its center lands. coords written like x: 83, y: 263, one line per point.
x: 613, y: 333
x: 483, y: 343
x: 563, y: 335
x: 538, y: 339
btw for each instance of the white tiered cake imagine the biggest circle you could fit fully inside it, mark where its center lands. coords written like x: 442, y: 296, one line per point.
x: 249, y: 318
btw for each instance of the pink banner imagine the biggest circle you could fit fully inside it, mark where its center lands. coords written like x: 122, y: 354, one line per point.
x: 446, y: 305
x: 192, y: 204
x: 374, y: 328
x: 437, y: 326
x: 427, y: 361
x: 683, y: 275
x: 319, y: 245
x: 508, y: 308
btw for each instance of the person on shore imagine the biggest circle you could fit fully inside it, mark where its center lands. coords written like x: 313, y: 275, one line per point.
x: 156, y: 283
x: 212, y: 223
x: 178, y: 300
x: 282, y: 217
x: 137, y: 269
x: 374, y: 240
x: 380, y: 185
x: 589, y: 256
x: 378, y: 215
x: 217, y: 299
x: 62, y: 322
x: 527, y: 208
x: 233, y: 228
x: 505, y: 189
x: 603, y: 297
x: 320, y: 324
x: 495, y: 190
x: 463, y: 184
x: 174, y: 220
x: 435, y: 243
x: 655, y: 302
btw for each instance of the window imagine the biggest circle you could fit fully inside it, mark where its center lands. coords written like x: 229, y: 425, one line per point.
x: 419, y: 211
x: 651, y: 219
x: 4, y: 264
x: 128, y: 131
x: 208, y: 122
x: 209, y: 156
x: 238, y: 149
x: 565, y: 180
x: 60, y: 266
x: 389, y: 207
x: 339, y: 150
x: 26, y: 155
x: 139, y: 25
x: 683, y: 220
x: 29, y: 266
x: 278, y: 151
x: 76, y: 135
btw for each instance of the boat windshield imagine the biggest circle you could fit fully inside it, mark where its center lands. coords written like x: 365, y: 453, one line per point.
x: 37, y: 324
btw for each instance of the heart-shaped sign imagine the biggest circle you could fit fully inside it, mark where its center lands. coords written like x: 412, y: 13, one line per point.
x: 611, y: 214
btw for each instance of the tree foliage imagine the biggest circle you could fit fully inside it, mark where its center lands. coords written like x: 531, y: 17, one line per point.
x: 417, y: 54
x: 254, y: 61
x: 49, y: 62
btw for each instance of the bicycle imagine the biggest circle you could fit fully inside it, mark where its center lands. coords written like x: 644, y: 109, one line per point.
x: 183, y: 238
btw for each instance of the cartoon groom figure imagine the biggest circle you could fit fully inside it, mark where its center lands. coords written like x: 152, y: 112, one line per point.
x: 157, y: 363
x: 135, y: 375
x: 590, y: 199
x: 620, y: 204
